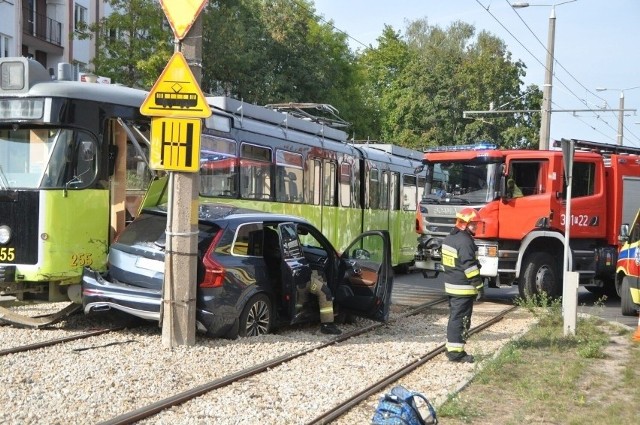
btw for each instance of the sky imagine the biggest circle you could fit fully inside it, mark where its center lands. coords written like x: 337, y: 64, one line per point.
x: 597, y: 45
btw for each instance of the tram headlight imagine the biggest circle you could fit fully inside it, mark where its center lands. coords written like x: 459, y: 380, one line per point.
x: 5, y: 234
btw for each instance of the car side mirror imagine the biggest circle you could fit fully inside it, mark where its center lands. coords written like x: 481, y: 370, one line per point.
x: 623, y: 237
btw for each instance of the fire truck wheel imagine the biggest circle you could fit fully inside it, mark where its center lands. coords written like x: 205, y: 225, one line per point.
x: 540, y: 275
x: 626, y: 303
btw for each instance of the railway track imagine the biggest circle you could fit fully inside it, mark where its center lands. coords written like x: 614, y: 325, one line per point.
x: 56, y: 341
x: 342, y: 408
x: 155, y: 408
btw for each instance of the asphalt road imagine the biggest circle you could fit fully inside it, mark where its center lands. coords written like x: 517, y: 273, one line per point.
x: 414, y: 289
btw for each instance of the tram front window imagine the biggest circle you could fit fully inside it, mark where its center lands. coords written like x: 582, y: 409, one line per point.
x: 32, y: 158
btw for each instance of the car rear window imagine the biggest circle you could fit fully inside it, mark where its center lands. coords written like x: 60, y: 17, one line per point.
x: 149, y: 230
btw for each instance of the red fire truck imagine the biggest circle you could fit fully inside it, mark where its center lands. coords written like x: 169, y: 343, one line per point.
x: 521, y: 195
x: 628, y: 267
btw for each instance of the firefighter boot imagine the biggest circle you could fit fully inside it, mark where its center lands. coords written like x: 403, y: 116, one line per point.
x: 636, y: 335
x: 460, y: 357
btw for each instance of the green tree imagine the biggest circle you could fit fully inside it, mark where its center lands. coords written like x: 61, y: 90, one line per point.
x: 276, y: 52
x: 448, y: 72
x: 380, y: 69
x: 133, y: 43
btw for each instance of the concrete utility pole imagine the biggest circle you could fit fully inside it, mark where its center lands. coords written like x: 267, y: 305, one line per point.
x: 179, y: 299
x: 621, y: 111
x: 545, y: 124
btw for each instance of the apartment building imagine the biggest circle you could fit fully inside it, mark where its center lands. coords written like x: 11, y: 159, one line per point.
x: 46, y: 30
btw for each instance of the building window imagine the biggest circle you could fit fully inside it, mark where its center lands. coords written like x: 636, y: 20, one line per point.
x: 80, y: 17
x: 5, y: 41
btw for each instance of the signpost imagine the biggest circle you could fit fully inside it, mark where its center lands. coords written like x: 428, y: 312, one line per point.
x: 176, y: 93
x: 182, y: 14
x: 570, y: 279
x: 177, y: 105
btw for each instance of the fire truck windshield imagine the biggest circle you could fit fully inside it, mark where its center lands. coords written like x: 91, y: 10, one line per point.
x: 32, y: 158
x: 461, y: 183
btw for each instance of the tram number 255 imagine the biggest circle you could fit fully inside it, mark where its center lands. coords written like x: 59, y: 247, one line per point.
x: 79, y: 260
x: 7, y: 254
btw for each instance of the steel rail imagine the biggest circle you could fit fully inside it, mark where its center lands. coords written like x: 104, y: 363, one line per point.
x: 180, y: 398
x: 56, y: 341
x: 337, y: 411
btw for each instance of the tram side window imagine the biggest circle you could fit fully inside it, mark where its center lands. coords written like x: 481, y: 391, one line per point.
x: 422, y: 181
x: 394, y: 191
x: 329, y: 184
x: 138, y: 173
x: 409, y: 193
x: 374, y: 189
x: 384, y: 191
x: 218, y: 167
x: 312, y: 181
x: 346, y: 198
x: 288, y: 176
x: 72, y: 162
x: 255, y: 175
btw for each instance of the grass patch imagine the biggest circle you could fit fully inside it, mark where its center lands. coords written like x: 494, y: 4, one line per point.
x: 546, y: 377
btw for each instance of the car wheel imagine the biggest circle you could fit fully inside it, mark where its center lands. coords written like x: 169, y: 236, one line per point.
x: 626, y: 303
x: 256, y: 317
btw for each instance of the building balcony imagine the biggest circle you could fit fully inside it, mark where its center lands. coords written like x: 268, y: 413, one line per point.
x: 41, y: 27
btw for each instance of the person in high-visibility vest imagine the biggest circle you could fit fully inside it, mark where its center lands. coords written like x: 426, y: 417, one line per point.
x: 462, y: 282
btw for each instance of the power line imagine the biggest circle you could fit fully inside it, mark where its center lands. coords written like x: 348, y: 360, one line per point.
x: 544, y: 65
x: 583, y: 101
x: 321, y: 18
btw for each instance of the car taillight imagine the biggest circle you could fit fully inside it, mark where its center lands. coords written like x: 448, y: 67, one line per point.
x: 213, y: 271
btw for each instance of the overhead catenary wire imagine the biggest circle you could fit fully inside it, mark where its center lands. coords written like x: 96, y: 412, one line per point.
x: 486, y: 8
x: 628, y: 133
x: 583, y: 101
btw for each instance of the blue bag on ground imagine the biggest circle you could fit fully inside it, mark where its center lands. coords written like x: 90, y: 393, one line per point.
x: 399, y: 408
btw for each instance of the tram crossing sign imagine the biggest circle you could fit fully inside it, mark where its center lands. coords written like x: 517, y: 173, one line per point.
x: 175, y: 144
x: 181, y: 14
x: 176, y: 93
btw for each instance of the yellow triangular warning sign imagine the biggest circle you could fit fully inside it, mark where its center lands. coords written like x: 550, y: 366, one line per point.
x: 176, y: 93
x: 181, y: 14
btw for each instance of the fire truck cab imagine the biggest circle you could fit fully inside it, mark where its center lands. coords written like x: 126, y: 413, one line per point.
x: 521, y: 196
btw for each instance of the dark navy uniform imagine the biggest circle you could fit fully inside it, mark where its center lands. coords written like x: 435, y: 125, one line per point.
x: 462, y: 283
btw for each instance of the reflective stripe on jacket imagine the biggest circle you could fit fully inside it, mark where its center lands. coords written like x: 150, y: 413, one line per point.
x: 461, y: 267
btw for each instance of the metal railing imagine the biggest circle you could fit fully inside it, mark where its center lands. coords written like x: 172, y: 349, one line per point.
x: 41, y: 26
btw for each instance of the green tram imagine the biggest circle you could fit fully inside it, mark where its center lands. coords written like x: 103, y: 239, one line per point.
x: 72, y: 170
x: 286, y: 160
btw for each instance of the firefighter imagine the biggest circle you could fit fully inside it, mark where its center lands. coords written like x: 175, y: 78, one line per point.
x: 318, y: 287
x: 462, y: 281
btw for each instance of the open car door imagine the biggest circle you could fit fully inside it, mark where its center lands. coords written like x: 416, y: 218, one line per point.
x: 366, y: 276
x: 296, y: 272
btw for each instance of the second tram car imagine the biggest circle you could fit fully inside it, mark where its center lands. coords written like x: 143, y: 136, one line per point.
x: 289, y: 163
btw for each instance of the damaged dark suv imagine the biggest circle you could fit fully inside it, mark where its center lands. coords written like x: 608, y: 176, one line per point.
x: 249, y: 266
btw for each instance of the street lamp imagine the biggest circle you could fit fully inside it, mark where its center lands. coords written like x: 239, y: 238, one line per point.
x: 620, y: 110
x: 545, y: 124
